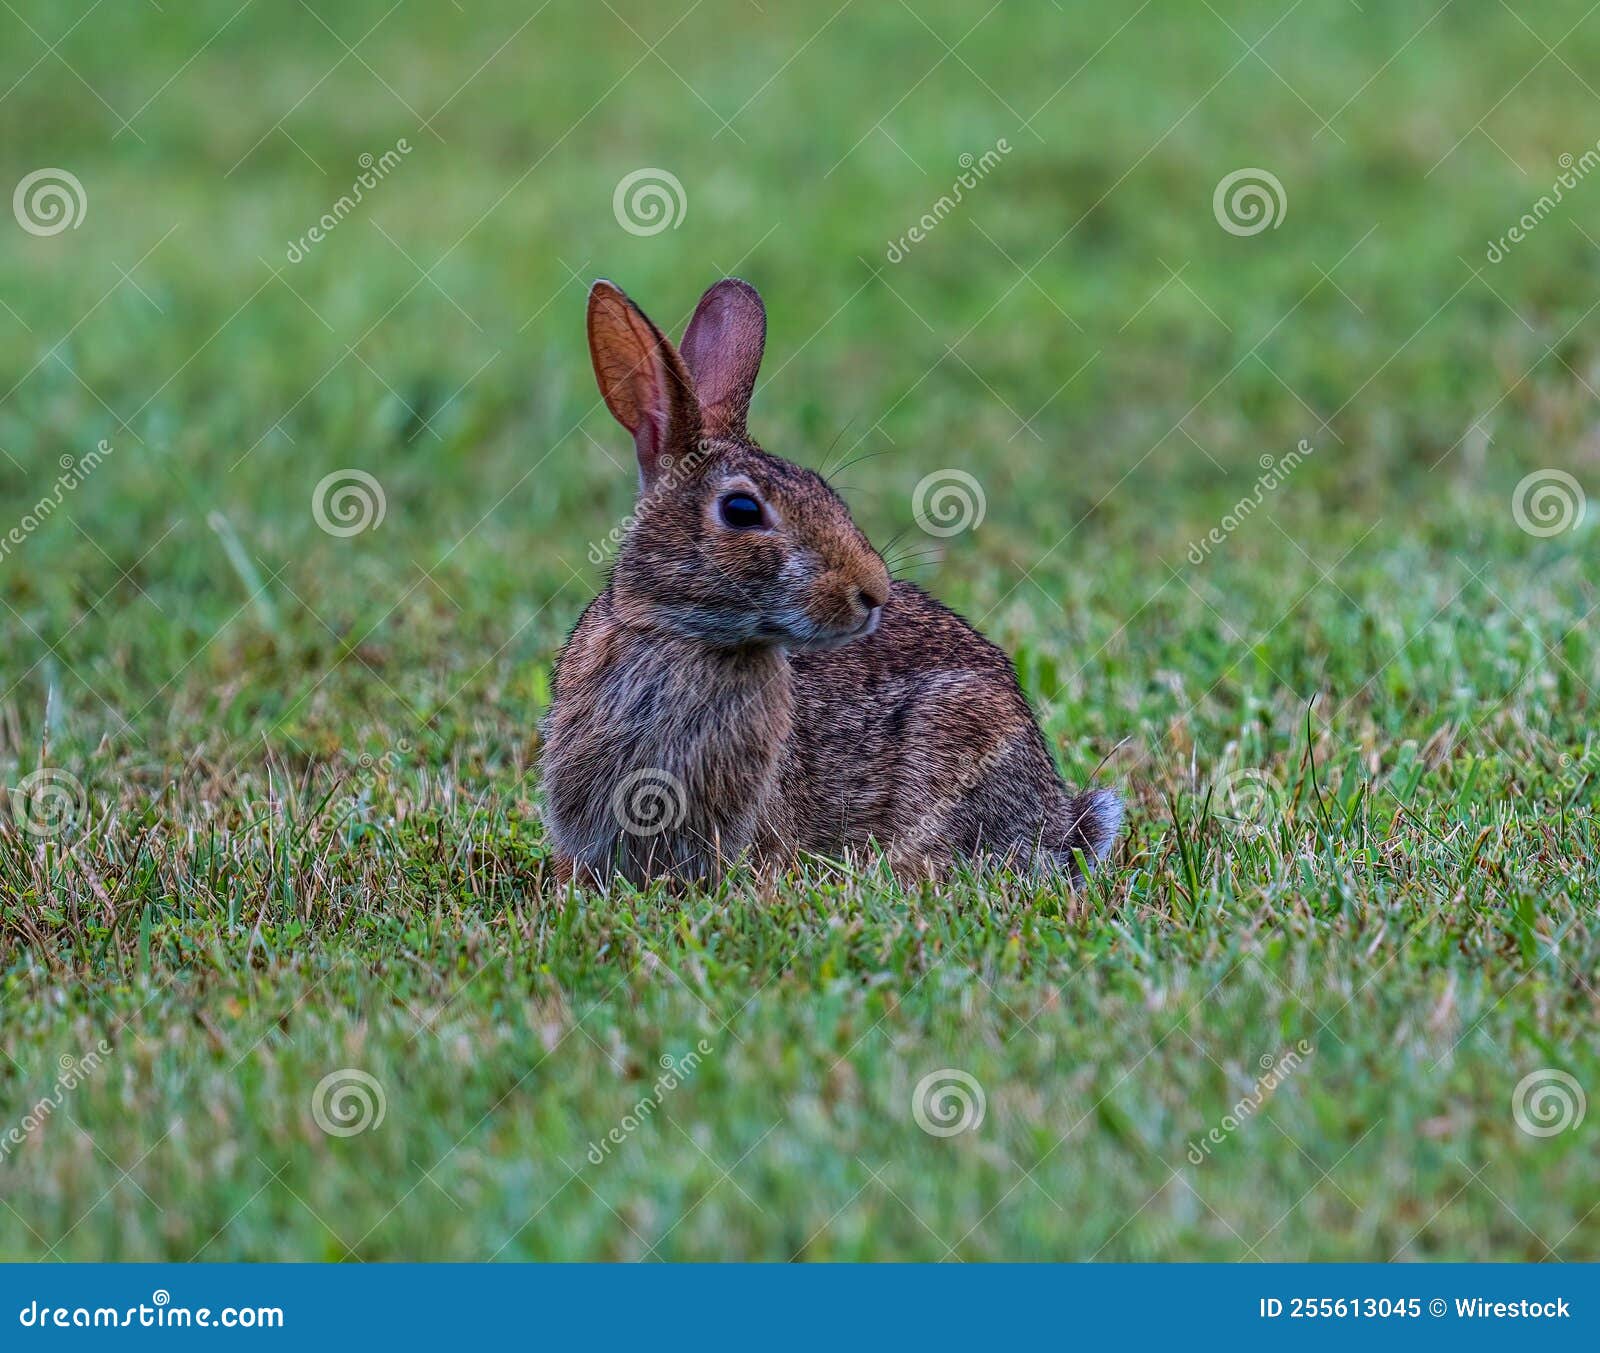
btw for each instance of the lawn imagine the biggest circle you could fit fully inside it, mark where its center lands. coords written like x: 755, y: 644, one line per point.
x: 1286, y: 527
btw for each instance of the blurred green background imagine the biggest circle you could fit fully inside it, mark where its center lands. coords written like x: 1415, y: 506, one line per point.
x: 1406, y: 669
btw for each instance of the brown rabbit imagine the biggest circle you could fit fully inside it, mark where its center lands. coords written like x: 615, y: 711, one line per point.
x: 752, y: 680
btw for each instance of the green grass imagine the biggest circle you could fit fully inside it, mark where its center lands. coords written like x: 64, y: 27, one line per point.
x: 308, y: 837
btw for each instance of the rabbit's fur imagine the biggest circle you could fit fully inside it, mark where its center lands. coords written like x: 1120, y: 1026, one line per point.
x: 769, y: 688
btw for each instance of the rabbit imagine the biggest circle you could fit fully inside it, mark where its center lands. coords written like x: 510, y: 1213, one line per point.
x: 752, y: 681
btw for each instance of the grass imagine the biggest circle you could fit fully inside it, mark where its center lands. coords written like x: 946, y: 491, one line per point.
x: 1358, y: 737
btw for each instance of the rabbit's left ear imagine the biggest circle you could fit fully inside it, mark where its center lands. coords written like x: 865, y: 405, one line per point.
x: 722, y: 348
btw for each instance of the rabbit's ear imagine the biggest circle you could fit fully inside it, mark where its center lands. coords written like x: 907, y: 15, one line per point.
x: 641, y: 378
x: 722, y: 349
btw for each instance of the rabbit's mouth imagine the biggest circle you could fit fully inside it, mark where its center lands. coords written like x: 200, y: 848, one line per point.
x: 823, y: 642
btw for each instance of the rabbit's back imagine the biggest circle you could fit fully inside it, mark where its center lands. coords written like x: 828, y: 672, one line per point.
x: 918, y: 739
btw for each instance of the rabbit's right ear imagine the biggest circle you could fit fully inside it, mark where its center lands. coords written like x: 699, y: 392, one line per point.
x: 641, y: 378
x: 722, y: 348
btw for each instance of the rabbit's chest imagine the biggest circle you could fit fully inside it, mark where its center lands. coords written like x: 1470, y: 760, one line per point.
x: 663, y: 758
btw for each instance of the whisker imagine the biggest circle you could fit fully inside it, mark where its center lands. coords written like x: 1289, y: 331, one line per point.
x: 837, y: 438
x: 870, y: 454
x: 915, y: 551
x: 895, y: 539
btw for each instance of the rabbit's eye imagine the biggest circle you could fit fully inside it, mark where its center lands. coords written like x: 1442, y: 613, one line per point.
x: 741, y: 512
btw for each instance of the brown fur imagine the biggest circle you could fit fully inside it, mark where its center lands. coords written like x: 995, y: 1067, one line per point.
x: 768, y: 689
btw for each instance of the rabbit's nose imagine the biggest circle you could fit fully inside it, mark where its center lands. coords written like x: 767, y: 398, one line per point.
x: 870, y: 599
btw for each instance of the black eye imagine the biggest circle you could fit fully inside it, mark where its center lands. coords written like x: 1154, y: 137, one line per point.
x: 741, y: 512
